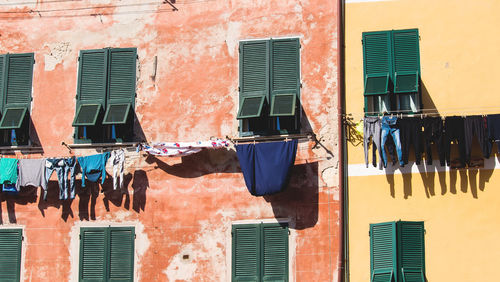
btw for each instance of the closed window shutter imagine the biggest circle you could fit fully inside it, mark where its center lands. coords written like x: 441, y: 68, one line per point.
x: 246, y: 262
x: 406, y: 60
x: 121, y: 261
x: 275, y: 252
x: 254, y: 78
x: 383, y: 257
x: 93, y: 254
x: 377, y: 60
x: 411, y: 258
x: 10, y: 258
x: 285, y: 76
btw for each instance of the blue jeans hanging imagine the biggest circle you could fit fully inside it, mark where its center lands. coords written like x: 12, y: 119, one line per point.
x: 390, y: 127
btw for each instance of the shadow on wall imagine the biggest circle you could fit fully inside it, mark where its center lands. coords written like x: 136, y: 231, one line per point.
x: 299, y: 201
x: 26, y: 195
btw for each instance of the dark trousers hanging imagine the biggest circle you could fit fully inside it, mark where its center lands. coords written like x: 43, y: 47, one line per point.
x: 434, y: 134
x: 476, y: 126
x: 410, y: 130
x: 494, y: 129
x: 454, y: 131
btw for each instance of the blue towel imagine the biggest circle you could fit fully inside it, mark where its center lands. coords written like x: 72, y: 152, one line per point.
x: 266, y: 166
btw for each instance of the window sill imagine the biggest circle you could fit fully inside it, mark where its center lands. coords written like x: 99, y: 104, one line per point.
x: 100, y: 146
x: 21, y: 148
x: 309, y: 136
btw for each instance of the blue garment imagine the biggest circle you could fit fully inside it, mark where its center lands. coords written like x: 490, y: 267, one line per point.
x: 266, y: 166
x: 10, y: 189
x: 390, y: 127
x: 62, y: 166
x: 93, y: 167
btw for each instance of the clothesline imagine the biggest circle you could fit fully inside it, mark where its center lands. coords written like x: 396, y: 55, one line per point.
x: 434, y: 112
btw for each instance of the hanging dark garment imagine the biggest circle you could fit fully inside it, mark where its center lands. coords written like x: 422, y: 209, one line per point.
x: 494, y: 129
x: 266, y: 166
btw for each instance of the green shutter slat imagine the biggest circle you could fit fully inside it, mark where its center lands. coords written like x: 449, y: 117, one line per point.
x: 251, y: 107
x: 411, y: 249
x: 10, y: 254
x: 246, y: 252
x: 121, y: 263
x: 377, y: 59
x: 86, y: 114
x: 275, y: 252
x: 19, y: 79
x: 116, y: 114
x: 13, y: 118
x: 93, y: 254
x: 383, y: 277
x: 2, y: 72
x: 92, y: 76
x: 122, y: 75
x: 406, y: 60
x: 285, y: 76
x: 383, y: 248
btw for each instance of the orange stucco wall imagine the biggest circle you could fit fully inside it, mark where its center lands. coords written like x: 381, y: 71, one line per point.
x: 178, y: 206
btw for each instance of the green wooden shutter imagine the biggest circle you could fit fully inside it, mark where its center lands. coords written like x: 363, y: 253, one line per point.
x: 377, y: 60
x: 406, y: 60
x: 121, y: 85
x: 254, y: 78
x: 285, y: 76
x: 3, y: 72
x: 275, y: 252
x: 93, y: 254
x: 10, y: 254
x: 246, y: 246
x: 383, y: 262
x: 121, y: 260
x: 17, y: 94
x: 411, y: 249
x: 92, y: 80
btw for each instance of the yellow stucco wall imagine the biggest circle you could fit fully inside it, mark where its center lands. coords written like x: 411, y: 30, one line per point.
x: 460, y: 55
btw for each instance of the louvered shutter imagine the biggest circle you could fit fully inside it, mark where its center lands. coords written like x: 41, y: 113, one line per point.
x: 18, y: 84
x: 93, y: 254
x: 246, y: 262
x: 383, y: 262
x: 91, y: 91
x: 275, y: 252
x: 254, y: 78
x: 406, y: 60
x: 121, y: 260
x: 10, y: 254
x: 121, y: 85
x: 2, y: 79
x: 411, y: 249
x: 285, y: 76
x: 377, y: 60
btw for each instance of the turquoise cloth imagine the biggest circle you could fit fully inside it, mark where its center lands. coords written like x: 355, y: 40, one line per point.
x: 93, y: 167
x: 8, y: 171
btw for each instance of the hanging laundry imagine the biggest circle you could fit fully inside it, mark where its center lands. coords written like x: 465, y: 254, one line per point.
x: 266, y: 166
x: 117, y: 159
x: 93, y: 167
x: 410, y: 131
x: 493, y: 122
x: 476, y: 126
x: 63, y: 167
x: 454, y: 131
x: 32, y: 172
x: 390, y: 127
x: 180, y: 149
x: 10, y: 189
x: 8, y: 171
x: 434, y: 134
x: 372, y: 129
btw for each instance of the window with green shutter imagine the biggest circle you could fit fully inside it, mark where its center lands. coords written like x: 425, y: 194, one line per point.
x: 16, y: 77
x: 105, y: 95
x: 391, y: 71
x: 107, y: 253
x: 269, y: 101
x: 260, y: 252
x: 397, y: 251
x: 10, y: 250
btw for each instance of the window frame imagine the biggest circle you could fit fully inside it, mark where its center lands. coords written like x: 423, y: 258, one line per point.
x: 267, y: 122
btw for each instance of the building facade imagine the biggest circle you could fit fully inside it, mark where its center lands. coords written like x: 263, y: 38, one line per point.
x: 445, y: 49
x: 87, y: 77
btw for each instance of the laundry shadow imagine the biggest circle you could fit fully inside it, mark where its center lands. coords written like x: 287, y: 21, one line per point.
x: 140, y: 184
x: 196, y: 165
x: 26, y: 195
x: 87, y: 200
x: 300, y: 199
x: 117, y: 196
